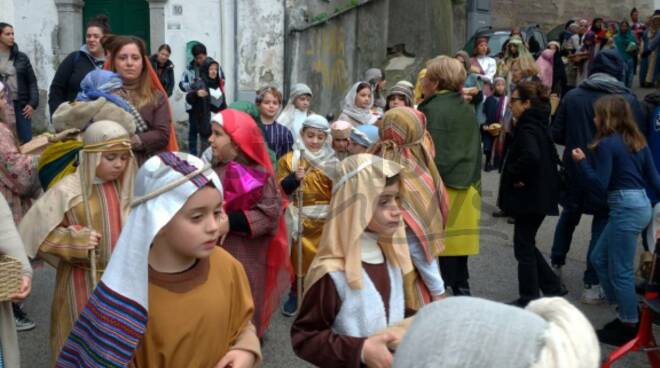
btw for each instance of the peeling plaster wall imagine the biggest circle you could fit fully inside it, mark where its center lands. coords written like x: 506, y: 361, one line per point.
x: 260, y: 45
x: 35, y: 25
x: 549, y: 14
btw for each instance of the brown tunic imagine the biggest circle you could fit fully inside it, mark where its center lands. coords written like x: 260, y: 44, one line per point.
x: 197, y: 316
x: 158, y: 120
x: 251, y: 249
x: 312, y: 337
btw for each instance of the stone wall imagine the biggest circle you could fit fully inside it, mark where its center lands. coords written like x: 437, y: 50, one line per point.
x: 549, y: 14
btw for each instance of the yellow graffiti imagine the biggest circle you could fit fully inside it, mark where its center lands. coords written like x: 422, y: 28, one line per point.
x: 327, y: 55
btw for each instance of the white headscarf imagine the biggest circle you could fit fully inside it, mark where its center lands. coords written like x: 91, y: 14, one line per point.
x: 325, y: 159
x: 290, y: 116
x: 120, y: 301
x: 364, y: 116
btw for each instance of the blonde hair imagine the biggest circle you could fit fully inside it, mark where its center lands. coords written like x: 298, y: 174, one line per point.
x: 527, y: 66
x: 448, y: 72
x: 569, y: 340
x: 615, y: 116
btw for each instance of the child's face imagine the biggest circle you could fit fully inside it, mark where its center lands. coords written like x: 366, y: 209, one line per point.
x: 597, y: 120
x: 354, y: 148
x: 269, y: 106
x: 302, y: 102
x: 224, y: 150
x: 500, y: 88
x: 194, y: 231
x: 340, y: 144
x: 396, y: 101
x: 313, y: 138
x: 363, y: 98
x: 112, y: 165
x: 213, y: 71
x: 387, y: 216
x: 516, y: 73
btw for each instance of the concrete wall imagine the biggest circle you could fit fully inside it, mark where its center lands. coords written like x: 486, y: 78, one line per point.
x: 549, y: 14
x: 332, y: 56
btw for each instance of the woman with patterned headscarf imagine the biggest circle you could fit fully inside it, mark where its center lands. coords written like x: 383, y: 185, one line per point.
x: 423, y: 197
x: 82, y: 216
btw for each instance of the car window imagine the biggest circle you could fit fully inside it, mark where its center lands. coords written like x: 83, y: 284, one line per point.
x: 496, y: 42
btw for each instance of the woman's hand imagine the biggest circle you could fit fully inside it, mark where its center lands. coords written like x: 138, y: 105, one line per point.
x: 27, y: 111
x: 24, y: 291
x: 577, y: 155
x: 237, y: 359
x: 375, y: 352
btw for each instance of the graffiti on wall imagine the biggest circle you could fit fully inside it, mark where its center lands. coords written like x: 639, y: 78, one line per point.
x: 327, y: 56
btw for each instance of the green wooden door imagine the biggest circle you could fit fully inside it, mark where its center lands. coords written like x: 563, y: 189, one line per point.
x: 127, y: 17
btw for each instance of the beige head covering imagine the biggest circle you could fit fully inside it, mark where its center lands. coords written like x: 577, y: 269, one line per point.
x: 341, y: 129
x: 48, y: 212
x: 78, y: 114
x: 361, y: 180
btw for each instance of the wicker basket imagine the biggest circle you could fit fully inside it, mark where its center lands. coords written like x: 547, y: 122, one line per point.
x: 10, y: 277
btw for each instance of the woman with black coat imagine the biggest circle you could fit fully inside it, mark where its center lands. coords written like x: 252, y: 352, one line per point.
x: 529, y: 188
x: 66, y: 83
x: 206, y: 96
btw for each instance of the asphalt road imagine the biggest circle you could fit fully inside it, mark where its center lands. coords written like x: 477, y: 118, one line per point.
x: 493, y: 276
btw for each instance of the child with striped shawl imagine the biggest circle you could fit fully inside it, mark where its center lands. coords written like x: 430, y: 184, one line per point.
x: 84, y: 211
x: 167, y: 264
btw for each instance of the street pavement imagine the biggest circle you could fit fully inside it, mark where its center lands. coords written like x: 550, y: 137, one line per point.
x: 492, y: 276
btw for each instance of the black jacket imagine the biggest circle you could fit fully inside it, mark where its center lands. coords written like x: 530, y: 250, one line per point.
x: 66, y: 83
x: 532, y: 160
x: 28, y: 91
x: 165, y: 73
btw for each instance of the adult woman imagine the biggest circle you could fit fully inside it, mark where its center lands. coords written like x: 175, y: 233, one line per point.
x: 515, y: 50
x: 472, y: 87
x: 626, y: 45
x: 164, y: 67
x: 17, y: 74
x: 357, y: 105
x: 649, y: 67
x: 529, y: 188
x: 484, y: 64
x: 66, y: 83
x: 129, y: 59
x: 11, y: 245
x: 376, y: 78
x: 455, y: 133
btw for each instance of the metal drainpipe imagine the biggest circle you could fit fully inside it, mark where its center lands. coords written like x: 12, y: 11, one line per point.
x: 236, y: 93
x: 286, y: 82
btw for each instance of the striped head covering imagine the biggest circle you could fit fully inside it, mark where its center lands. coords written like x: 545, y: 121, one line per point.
x: 424, y: 199
x: 111, y: 325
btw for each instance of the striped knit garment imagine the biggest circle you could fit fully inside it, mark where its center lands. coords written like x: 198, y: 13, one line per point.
x: 278, y: 138
x: 107, y: 332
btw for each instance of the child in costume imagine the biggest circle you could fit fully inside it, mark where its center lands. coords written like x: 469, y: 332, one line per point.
x: 362, y: 139
x: 357, y: 105
x: 81, y: 216
x: 424, y: 202
x: 167, y: 267
x: 357, y: 272
x: 495, y: 108
x: 341, y: 133
x: 309, y: 167
x: 255, y: 207
x: 297, y: 108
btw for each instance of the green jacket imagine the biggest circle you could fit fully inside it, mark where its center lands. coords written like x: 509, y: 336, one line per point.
x: 453, y: 126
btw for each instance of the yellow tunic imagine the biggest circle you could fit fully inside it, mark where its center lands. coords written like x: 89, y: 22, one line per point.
x: 462, y: 231
x: 317, y: 190
x: 197, y: 316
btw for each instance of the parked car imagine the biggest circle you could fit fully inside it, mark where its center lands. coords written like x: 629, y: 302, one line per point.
x: 532, y: 35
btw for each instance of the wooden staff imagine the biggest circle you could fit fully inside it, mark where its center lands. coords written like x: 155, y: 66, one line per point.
x: 88, y: 217
x: 299, y: 271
